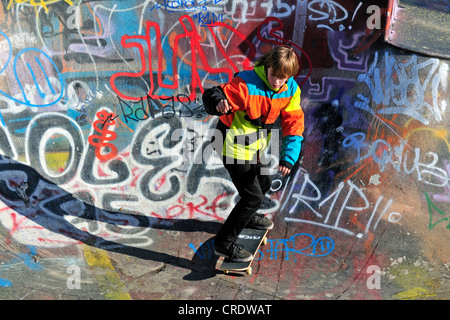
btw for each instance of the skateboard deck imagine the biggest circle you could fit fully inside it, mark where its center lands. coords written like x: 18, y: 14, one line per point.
x: 251, y: 239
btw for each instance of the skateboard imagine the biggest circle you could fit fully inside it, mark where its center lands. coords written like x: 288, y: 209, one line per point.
x: 251, y: 239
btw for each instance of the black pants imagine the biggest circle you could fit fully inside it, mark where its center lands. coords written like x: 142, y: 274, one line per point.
x: 252, y: 186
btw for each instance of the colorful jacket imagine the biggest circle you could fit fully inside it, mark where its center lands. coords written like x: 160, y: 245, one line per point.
x: 255, y: 106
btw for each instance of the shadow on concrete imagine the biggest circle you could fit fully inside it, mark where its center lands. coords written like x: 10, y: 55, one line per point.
x: 24, y: 190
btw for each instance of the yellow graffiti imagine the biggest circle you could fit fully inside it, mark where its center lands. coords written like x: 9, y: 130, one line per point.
x: 38, y: 3
x: 415, y: 281
x: 438, y: 133
x: 57, y: 162
x: 107, y: 278
x: 414, y: 293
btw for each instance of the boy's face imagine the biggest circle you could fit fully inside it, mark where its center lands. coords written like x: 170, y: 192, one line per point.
x: 275, y: 82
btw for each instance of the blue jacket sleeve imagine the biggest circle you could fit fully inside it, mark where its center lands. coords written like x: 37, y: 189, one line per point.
x: 290, y: 150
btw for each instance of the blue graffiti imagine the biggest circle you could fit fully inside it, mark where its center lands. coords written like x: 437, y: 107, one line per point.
x: 205, y: 251
x: 5, y: 283
x: 301, y: 243
x: 29, y: 259
x: 185, y: 5
x: 313, y: 247
x: 407, y: 94
x: 49, y: 100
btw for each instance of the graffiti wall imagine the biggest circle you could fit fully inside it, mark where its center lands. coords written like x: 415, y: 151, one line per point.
x: 103, y: 131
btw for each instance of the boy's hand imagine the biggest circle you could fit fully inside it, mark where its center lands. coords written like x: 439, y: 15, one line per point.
x: 223, y: 106
x: 284, y: 170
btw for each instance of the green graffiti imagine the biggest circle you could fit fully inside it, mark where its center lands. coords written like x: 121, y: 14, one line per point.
x: 432, y: 209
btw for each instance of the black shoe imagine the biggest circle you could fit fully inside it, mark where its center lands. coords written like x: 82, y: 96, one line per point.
x: 234, y: 252
x: 259, y: 221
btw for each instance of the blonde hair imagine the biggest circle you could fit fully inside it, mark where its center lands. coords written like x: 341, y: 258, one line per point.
x: 282, y: 60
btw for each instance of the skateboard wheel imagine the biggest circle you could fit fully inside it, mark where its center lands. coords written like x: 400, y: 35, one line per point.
x: 226, y: 271
x: 264, y: 242
x: 249, y: 271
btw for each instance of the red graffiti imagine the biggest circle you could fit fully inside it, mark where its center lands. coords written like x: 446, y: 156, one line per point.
x: 18, y: 223
x: 190, y: 36
x: 198, y: 59
x: 105, y: 120
x: 201, y: 208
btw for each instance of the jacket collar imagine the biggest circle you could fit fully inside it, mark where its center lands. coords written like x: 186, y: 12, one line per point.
x: 261, y: 72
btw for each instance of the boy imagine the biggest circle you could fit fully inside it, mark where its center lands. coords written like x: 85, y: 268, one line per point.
x: 248, y: 107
